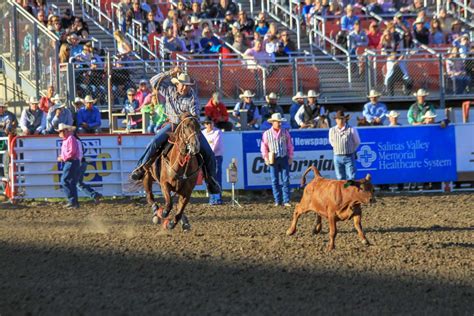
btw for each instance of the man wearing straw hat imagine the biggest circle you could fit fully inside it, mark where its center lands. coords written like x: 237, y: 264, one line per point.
x: 344, y: 139
x: 246, y: 103
x: 418, y: 109
x: 271, y: 107
x: 177, y: 89
x: 308, y: 114
x: 393, y: 118
x: 70, y: 156
x: 88, y: 118
x: 33, y: 120
x: 374, y: 111
x: 277, y: 151
x: 298, y: 101
x: 57, y: 114
x: 8, y: 120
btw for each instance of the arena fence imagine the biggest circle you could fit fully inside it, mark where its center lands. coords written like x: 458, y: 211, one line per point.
x: 412, y: 154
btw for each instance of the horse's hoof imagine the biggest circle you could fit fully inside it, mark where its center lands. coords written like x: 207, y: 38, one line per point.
x: 156, y: 220
x: 365, y: 242
x: 154, y: 208
x: 161, y: 213
x: 186, y: 227
x: 290, y: 232
x: 168, y: 224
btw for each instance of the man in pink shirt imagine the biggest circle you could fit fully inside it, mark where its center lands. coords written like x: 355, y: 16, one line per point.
x: 214, y: 138
x: 71, y: 154
x: 277, y: 151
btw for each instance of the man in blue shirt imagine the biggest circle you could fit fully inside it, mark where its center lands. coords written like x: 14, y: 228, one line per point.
x: 348, y: 20
x: 56, y: 115
x: 253, y: 114
x: 88, y: 117
x: 375, y: 111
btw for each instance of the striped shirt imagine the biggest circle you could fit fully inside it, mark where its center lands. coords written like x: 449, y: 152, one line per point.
x: 175, y: 104
x: 278, y: 142
x: 344, y: 141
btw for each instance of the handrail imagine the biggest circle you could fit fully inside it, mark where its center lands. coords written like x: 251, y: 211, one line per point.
x: 99, y: 12
x: 288, y: 11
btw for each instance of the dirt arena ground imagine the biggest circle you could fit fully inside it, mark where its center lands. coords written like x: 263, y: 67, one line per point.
x: 109, y: 259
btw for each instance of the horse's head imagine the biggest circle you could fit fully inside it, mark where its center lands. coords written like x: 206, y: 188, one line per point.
x: 187, y: 134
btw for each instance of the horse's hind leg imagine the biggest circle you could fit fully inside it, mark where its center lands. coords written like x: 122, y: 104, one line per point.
x: 147, y: 185
x: 166, y: 190
x: 182, y: 202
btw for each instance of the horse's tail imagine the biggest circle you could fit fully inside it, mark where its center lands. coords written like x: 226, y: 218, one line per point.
x: 315, y: 171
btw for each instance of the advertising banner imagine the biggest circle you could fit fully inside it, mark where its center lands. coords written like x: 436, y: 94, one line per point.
x: 465, y: 151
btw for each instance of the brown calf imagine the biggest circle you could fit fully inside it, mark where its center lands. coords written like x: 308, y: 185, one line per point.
x: 336, y: 200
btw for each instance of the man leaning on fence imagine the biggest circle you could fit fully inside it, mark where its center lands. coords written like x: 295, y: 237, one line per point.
x: 57, y: 114
x: 374, y: 111
x: 180, y: 98
x: 8, y: 120
x: 88, y: 118
x: 418, y: 109
x: 33, y: 119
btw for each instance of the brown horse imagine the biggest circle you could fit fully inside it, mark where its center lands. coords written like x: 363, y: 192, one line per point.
x: 176, y: 170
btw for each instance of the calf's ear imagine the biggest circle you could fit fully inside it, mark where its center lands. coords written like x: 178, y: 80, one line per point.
x: 368, y: 177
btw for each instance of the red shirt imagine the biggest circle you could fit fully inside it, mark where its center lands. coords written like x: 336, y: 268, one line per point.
x: 216, y: 111
x: 45, y: 104
x: 374, y: 39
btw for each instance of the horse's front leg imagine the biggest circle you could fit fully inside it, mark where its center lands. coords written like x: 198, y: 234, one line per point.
x: 166, y: 189
x: 147, y: 185
x: 182, y: 202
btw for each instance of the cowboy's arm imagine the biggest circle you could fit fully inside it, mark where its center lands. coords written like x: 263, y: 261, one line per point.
x: 96, y: 121
x: 162, y: 81
x: 264, y: 146
x: 382, y: 112
x: 369, y: 117
x: 410, y: 116
x: 299, y: 116
x: 42, y: 126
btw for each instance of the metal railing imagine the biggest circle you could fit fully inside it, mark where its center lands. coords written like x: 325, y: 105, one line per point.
x: 284, y: 14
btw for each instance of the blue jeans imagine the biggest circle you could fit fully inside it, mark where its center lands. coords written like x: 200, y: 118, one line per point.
x: 87, y: 189
x: 69, y: 180
x: 281, y: 192
x: 160, y: 139
x: 345, y: 168
x: 217, y: 198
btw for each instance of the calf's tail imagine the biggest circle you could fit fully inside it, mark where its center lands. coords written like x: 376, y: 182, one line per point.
x: 310, y: 168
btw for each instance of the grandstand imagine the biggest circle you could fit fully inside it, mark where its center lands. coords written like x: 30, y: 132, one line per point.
x: 321, y: 56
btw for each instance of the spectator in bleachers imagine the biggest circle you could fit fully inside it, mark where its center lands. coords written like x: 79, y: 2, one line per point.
x: 74, y: 42
x: 271, y: 107
x: 445, y: 21
x: 145, y: 5
x: 373, y: 35
x: 280, y: 55
x: 288, y: 45
x: 415, y: 7
x: 131, y: 106
x: 239, y: 43
x: 247, y: 25
x: 157, y: 114
x: 8, y: 120
x: 41, y: 5
x: 151, y: 26
x: 246, y: 103
x: 335, y: 9
x: 272, y: 31
x: 375, y: 7
x: 196, y: 10
x: 393, y: 118
x: 437, y: 36
x: 226, y: 25
x: 171, y: 42
x: 123, y: 7
x: 123, y: 46
x: 80, y: 29
x: 135, y: 12
x: 456, y: 71
x: 309, y: 115
x: 306, y: 10
x: 86, y: 55
x: 218, y: 10
x: 271, y: 44
x: 397, y: 72
x: 56, y: 27
x: 197, y: 27
x: 217, y: 112
x: 464, y: 46
x: 88, y: 118
x: 418, y: 109
x: 192, y: 46
x: 206, y: 7
x: 258, y: 55
x: 25, y: 4
x: 399, y: 23
x: 262, y: 27
x: 374, y: 111
x: 213, y: 136
x: 142, y: 92
x: 64, y: 53
x: 456, y: 32
x: 348, y: 20
x: 42, y: 18
x: 357, y: 38
x: 57, y: 114
x: 298, y: 102
x: 74, y: 108
x: 421, y: 16
x: 209, y: 43
x: 421, y: 33
x: 157, y: 14
x: 67, y: 19
x: 46, y: 102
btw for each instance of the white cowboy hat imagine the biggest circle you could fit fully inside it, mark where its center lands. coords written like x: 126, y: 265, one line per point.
x: 272, y: 96
x: 312, y: 94
x: 429, y: 114
x: 419, y: 21
x: 393, y: 114
x: 63, y: 127
x: 188, y: 28
x: 246, y: 94
x: 421, y: 93
x: 88, y: 99
x: 276, y: 117
x: 78, y: 100
x: 195, y: 20
x: 235, y: 25
x: 299, y: 95
x: 33, y: 100
x: 56, y: 98
x: 3, y: 104
x: 183, y: 78
x: 374, y: 94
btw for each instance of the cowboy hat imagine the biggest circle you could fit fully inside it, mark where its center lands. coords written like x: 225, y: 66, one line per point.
x: 298, y: 95
x: 235, y: 25
x: 276, y: 117
x: 63, y: 127
x: 246, y: 94
x: 272, y: 96
x: 78, y: 100
x: 429, y: 114
x: 189, y: 28
x: 195, y: 20
x: 88, y: 99
x: 418, y: 21
x: 373, y: 94
x: 312, y: 94
x: 421, y: 93
x: 183, y: 78
x: 393, y: 114
x: 3, y: 104
x: 59, y: 105
x: 340, y: 115
x: 56, y: 98
x: 33, y: 100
